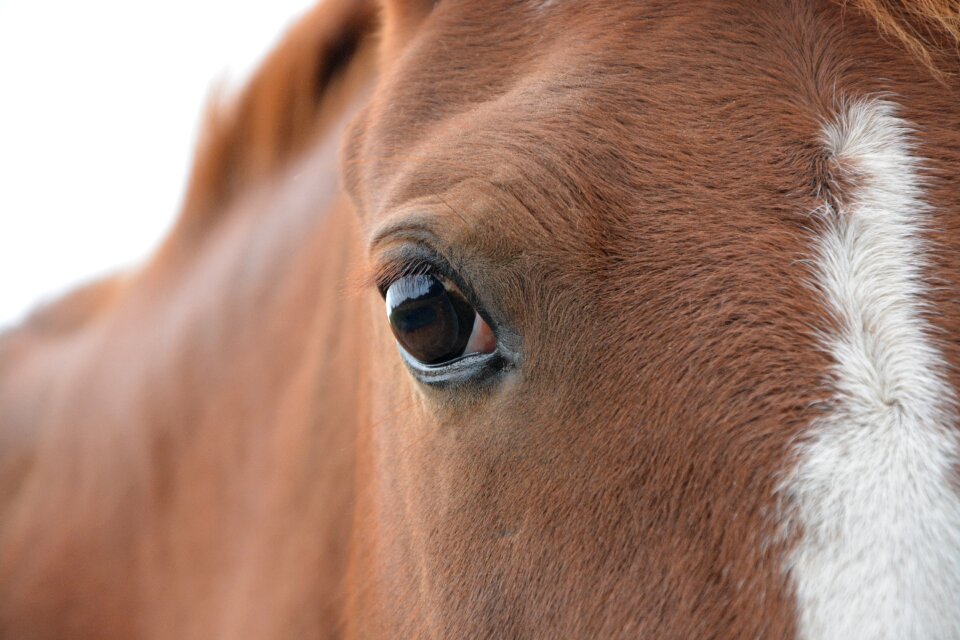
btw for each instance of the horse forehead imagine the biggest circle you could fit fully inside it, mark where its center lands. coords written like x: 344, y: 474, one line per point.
x: 472, y: 51
x: 615, y: 118
x: 553, y: 134
x: 490, y: 84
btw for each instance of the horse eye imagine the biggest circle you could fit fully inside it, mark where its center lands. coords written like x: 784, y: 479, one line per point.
x: 433, y: 322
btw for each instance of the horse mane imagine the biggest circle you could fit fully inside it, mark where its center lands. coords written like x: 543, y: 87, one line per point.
x: 294, y: 96
x: 299, y: 90
x: 928, y: 29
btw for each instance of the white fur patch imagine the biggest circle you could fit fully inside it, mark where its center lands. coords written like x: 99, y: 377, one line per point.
x: 877, y: 518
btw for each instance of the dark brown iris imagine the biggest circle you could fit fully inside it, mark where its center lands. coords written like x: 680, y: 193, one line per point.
x: 431, y: 322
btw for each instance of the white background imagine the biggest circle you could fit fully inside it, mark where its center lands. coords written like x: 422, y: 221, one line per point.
x: 100, y: 101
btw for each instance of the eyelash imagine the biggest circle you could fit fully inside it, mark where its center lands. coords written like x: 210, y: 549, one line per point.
x: 417, y: 259
x: 395, y: 270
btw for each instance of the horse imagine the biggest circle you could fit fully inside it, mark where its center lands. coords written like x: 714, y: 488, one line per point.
x: 521, y: 319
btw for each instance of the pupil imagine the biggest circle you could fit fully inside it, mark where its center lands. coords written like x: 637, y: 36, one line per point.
x: 416, y: 319
x: 430, y: 321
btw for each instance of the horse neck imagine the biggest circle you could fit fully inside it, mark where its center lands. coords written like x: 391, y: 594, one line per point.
x: 191, y: 431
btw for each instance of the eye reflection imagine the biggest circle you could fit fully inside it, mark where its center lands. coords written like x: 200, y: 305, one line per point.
x: 433, y: 322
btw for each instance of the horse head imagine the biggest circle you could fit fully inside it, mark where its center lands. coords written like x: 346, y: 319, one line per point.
x: 521, y: 319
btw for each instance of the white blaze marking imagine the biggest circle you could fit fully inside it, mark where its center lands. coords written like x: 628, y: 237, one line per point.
x: 877, y: 515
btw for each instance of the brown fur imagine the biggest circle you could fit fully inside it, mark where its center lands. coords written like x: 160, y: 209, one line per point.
x: 226, y: 444
x: 929, y: 29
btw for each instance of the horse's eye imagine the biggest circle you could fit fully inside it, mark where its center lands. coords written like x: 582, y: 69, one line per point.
x: 433, y: 322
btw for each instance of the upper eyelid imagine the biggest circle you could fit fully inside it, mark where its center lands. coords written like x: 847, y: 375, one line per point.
x: 416, y: 257
x: 414, y: 238
x: 383, y: 261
